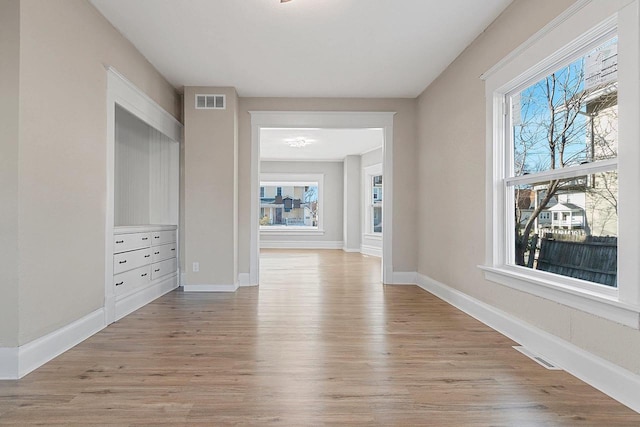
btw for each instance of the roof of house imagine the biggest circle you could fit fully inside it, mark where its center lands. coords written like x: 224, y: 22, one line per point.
x: 565, y: 207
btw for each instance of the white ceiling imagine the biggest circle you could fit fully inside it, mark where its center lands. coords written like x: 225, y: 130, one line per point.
x: 324, y: 144
x: 304, y: 48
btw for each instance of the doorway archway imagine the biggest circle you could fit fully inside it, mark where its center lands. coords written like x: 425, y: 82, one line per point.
x: 323, y: 119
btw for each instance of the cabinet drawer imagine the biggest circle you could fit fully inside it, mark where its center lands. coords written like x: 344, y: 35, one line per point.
x: 132, y: 279
x: 163, y: 268
x: 130, y: 260
x: 131, y: 241
x: 160, y: 253
x: 163, y: 237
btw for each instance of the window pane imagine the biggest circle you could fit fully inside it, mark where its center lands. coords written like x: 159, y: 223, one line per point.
x: 376, y: 189
x: 376, y: 204
x: 569, y: 227
x: 289, y: 205
x: 377, y: 219
x: 569, y: 117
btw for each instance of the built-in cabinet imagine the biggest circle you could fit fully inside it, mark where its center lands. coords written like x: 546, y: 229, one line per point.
x: 143, y: 234
x: 142, y: 257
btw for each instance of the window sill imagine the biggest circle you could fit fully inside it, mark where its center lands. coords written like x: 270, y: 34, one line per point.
x: 373, y: 236
x: 606, y: 306
x: 291, y: 231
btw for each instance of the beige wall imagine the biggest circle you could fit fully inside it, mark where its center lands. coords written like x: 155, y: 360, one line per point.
x: 210, y: 221
x: 352, y: 196
x: 332, y: 198
x: 9, y: 136
x: 64, y: 47
x: 404, y: 157
x: 451, y: 117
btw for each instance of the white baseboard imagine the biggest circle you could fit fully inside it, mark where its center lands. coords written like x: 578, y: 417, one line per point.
x: 404, y: 278
x: 291, y: 244
x: 371, y: 250
x: 618, y: 383
x: 244, y: 279
x: 16, y: 362
x: 351, y: 249
x: 129, y: 303
x: 210, y: 288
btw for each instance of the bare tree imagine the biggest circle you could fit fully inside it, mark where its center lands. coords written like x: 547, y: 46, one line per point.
x: 311, y: 202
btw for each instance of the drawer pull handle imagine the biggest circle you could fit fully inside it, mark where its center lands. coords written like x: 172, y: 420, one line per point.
x: 147, y: 256
x: 119, y: 241
x: 155, y: 271
x: 145, y: 238
x: 173, y: 249
x: 121, y: 283
x: 143, y: 275
x: 156, y: 253
x: 156, y: 237
x: 122, y: 262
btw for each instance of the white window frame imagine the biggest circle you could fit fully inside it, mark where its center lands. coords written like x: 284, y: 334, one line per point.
x: 368, y: 173
x: 287, y: 179
x: 583, y: 23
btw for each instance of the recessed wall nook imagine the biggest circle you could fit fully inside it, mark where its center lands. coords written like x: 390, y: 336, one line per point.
x: 143, y: 212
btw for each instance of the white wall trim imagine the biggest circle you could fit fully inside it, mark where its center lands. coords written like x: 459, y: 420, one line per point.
x: 569, y: 12
x: 16, y: 362
x: 616, y: 382
x: 244, y: 279
x: 607, y: 307
x: 372, y: 236
x: 323, y: 119
x: 306, y: 244
x: 404, y: 278
x: 351, y: 250
x: 289, y: 231
x: 372, y: 251
x: 293, y: 159
x: 130, y: 97
x: 127, y: 304
x: 211, y: 288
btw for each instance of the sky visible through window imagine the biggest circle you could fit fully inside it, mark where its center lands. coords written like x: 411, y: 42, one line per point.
x: 550, y: 118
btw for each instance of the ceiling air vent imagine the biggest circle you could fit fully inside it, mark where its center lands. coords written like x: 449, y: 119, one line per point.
x: 210, y: 102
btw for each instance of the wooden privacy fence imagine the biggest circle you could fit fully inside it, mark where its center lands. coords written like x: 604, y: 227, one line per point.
x: 582, y: 257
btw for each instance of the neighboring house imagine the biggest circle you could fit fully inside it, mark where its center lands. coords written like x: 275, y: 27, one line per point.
x: 286, y: 206
x: 566, y: 216
x: 565, y: 210
x: 602, y: 136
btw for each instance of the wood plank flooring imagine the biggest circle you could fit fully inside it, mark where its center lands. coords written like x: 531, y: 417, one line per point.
x: 320, y: 342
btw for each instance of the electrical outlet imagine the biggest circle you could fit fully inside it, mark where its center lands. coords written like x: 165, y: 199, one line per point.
x: 196, y: 267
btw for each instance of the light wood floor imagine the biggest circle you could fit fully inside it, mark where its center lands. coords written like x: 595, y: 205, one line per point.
x: 319, y: 342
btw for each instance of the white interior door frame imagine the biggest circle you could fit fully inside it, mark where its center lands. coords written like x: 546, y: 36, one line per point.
x: 328, y: 120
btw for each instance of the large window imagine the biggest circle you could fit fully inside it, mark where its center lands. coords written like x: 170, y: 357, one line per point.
x: 562, y: 168
x: 563, y: 173
x: 290, y: 202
